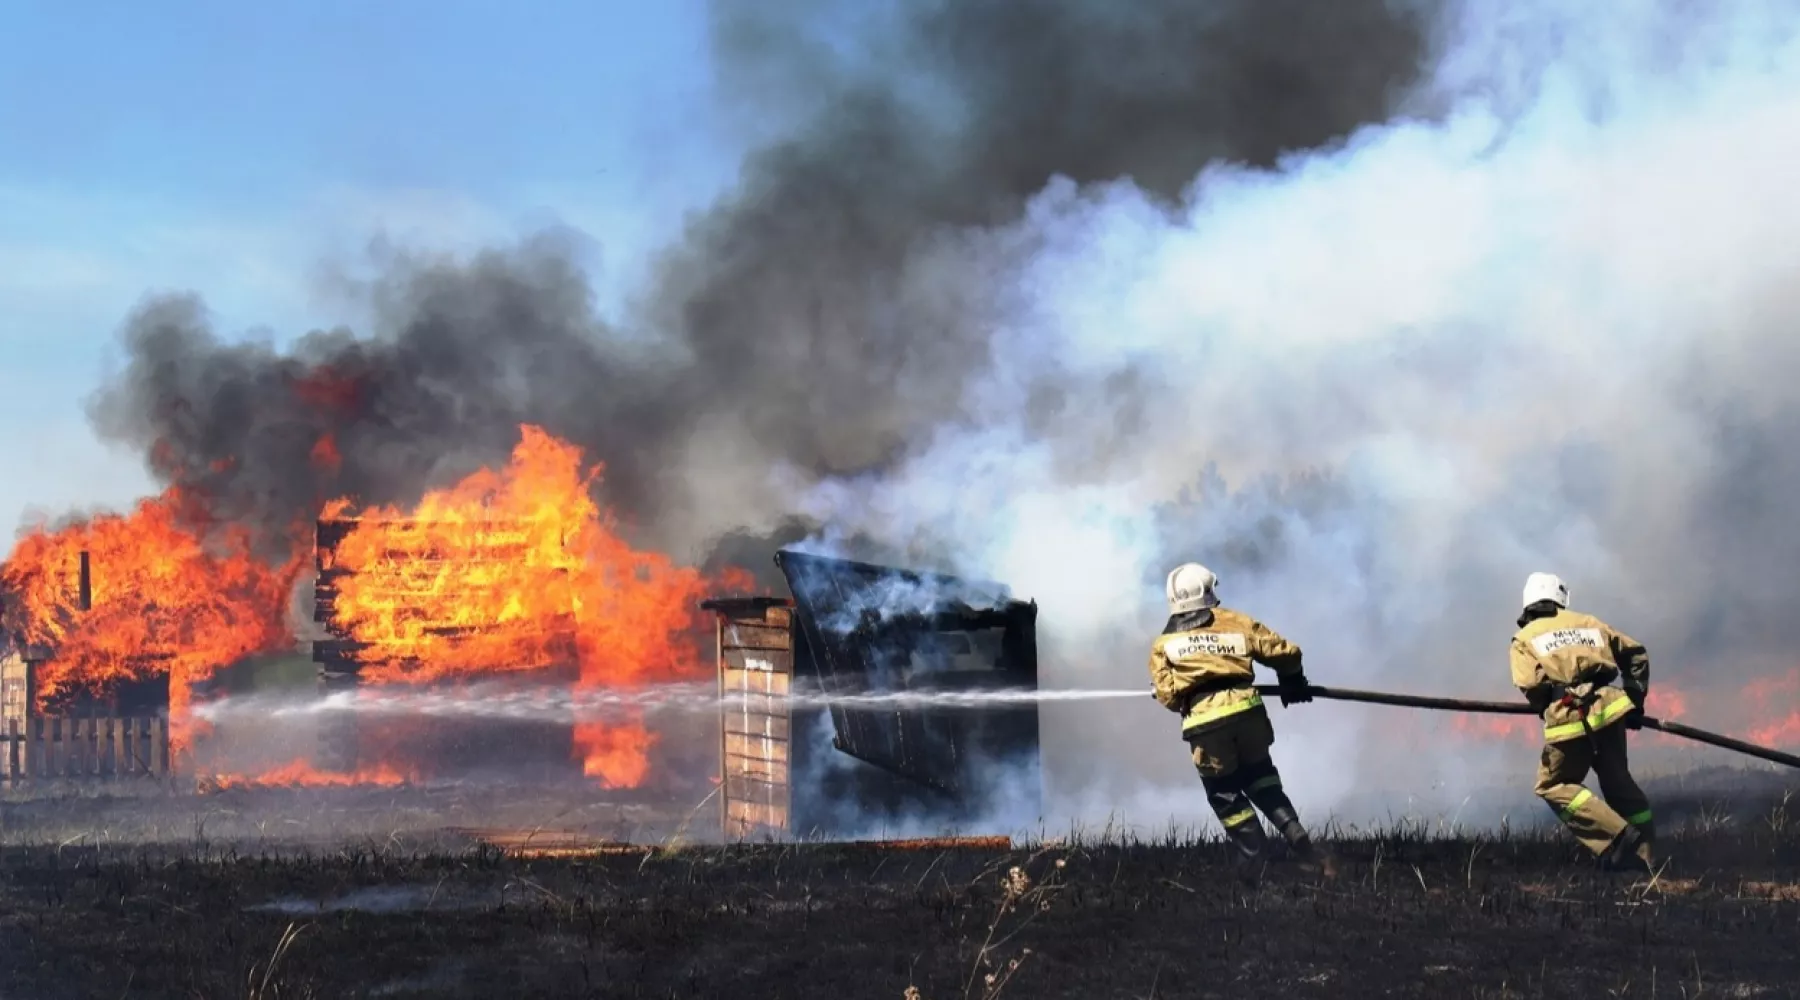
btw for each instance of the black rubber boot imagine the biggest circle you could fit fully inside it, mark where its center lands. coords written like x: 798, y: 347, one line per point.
x: 1287, y: 822
x: 1629, y: 852
x: 1252, y: 843
x: 1262, y: 782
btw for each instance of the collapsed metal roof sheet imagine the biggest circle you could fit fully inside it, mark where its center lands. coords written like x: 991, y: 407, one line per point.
x: 870, y: 628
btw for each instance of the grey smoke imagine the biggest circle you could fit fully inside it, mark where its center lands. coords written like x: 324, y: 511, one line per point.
x: 840, y: 303
x: 824, y: 317
x: 1377, y: 385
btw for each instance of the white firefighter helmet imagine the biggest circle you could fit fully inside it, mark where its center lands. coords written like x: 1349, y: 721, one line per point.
x: 1191, y: 587
x: 1545, y: 587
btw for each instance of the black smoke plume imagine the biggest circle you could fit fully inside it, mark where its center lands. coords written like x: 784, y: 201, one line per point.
x: 263, y: 438
x: 822, y: 318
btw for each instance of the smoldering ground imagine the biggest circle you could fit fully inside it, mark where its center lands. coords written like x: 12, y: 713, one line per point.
x: 1373, y: 309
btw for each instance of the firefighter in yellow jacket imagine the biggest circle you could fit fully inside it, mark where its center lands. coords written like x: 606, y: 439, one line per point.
x: 1565, y: 663
x: 1201, y: 666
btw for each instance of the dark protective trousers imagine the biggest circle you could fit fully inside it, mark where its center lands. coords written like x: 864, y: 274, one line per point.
x: 1240, y: 778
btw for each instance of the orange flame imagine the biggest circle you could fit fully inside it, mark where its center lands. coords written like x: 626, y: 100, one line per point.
x: 1776, y: 722
x: 518, y: 570
x: 164, y: 602
x: 1666, y: 702
x: 1523, y: 728
x: 617, y: 755
x: 1782, y: 733
x: 301, y: 772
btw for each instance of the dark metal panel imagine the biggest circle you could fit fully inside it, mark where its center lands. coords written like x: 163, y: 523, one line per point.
x: 869, y: 629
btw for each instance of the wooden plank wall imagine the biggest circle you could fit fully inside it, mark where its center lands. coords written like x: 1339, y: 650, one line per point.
x: 74, y: 749
x: 756, y: 668
x: 15, y: 689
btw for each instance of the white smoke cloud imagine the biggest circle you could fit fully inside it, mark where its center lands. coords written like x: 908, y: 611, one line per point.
x: 1551, y: 331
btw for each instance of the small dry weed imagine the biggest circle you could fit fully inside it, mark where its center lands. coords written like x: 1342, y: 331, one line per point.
x: 1023, y: 900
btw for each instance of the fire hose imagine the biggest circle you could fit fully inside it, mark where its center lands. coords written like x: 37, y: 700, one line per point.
x: 1515, y: 708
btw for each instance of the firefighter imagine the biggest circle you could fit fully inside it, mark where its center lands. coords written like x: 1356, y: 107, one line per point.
x: 1201, y: 666
x: 1565, y: 663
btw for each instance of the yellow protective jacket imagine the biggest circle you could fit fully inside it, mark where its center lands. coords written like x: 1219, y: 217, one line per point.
x: 1580, y: 655
x: 1202, y: 665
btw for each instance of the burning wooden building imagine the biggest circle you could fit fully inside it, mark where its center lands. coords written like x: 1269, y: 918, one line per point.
x: 21, y: 660
x: 422, y: 604
x: 118, y: 728
x: 800, y: 756
x: 511, y: 576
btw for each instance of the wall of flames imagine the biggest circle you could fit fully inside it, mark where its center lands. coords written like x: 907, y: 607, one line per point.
x: 511, y: 569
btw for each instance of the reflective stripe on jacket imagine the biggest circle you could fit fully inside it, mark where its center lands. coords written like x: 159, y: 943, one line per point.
x: 1203, y: 664
x: 1209, y: 709
x: 1583, y: 656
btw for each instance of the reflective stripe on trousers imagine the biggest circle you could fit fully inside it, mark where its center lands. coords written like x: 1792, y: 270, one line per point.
x: 1575, y: 804
x: 1238, y: 818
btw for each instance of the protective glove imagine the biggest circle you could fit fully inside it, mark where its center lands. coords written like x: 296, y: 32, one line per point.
x: 1634, y: 719
x: 1294, y: 689
x: 1539, y: 699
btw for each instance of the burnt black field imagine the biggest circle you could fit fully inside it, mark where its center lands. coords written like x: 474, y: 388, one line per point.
x: 1401, y: 913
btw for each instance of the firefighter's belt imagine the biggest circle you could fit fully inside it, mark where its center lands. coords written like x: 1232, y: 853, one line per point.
x: 1589, y: 720
x: 1214, y: 686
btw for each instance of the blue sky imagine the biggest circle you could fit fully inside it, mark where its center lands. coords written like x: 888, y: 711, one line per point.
x: 237, y: 149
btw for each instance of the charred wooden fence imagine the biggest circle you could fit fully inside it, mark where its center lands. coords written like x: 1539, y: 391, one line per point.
x: 44, y: 750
